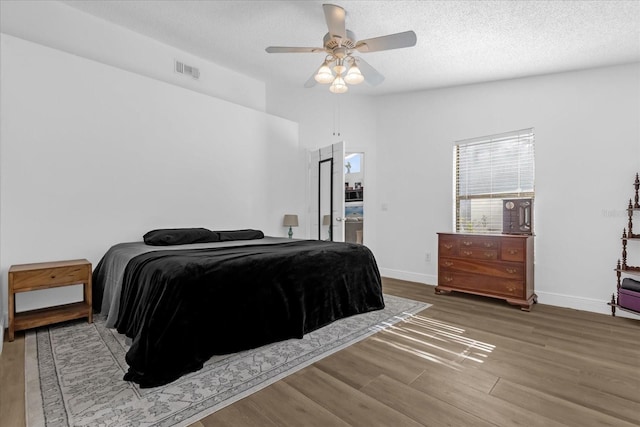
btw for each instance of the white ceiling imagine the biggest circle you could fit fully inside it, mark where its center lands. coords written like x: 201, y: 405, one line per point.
x: 459, y: 42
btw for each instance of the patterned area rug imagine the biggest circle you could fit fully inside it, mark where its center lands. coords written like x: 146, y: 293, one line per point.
x: 74, y: 372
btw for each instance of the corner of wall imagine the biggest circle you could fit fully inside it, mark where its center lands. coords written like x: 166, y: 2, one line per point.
x: 409, y: 276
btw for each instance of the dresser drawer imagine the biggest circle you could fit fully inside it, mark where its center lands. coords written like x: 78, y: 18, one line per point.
x: 482, y: 284
x: 50, y: 277
x: 507, y: 270
x: 478, y: 253
x: 447, y: 245
x: 513, y: 250
x: 473, y: 242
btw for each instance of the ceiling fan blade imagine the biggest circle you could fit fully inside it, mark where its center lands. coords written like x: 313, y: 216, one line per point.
x: 283, y: 49
x: 392, y: 41
x: 371, y: 75
x: 335, y: 16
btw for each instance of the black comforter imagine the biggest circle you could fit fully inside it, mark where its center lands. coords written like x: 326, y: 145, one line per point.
x: 180, y: 307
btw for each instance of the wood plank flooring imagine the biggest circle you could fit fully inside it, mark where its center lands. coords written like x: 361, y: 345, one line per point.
x: 465, y: 361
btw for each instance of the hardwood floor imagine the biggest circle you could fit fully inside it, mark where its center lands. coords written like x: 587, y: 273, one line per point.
x: 465, y: 361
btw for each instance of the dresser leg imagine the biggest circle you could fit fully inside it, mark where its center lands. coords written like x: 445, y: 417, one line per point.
x: 525, y: 305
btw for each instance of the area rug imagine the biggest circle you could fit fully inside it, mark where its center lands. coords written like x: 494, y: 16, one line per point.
x: 74, y: 371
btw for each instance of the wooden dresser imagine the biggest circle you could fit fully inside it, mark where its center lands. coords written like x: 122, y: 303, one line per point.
x: 493, y: 265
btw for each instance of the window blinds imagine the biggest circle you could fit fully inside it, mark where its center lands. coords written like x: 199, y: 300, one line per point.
x: 489, y: 169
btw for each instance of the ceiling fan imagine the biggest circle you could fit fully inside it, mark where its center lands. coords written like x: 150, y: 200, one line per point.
x: 341, y: 67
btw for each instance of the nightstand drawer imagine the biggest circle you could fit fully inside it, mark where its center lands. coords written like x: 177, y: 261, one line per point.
x: 49, y: 277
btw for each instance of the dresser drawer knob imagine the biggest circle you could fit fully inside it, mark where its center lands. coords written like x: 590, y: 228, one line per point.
x: 448, y: 245
x: 448, y: 279
x: 448, y: 263
x: 488, y: 245
x: 53, y: 276
x: 513, y: 251
x: 467, y: 243
x: 512, y: 270
x: 489, y: 255
x: 467, y: 253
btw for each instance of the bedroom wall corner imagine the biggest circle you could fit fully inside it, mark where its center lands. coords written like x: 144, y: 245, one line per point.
x: 587, y: 131
x: 325, y: 118
x: 112, y: 154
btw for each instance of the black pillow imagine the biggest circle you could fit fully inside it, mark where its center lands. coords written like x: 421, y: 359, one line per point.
x: 630, y: 284
x: 179, y: 236
x: 226, y: 236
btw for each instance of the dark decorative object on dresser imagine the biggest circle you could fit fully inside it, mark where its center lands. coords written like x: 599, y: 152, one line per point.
x: 493, y: 265
x: 627, y: 295
x: 517, y: 216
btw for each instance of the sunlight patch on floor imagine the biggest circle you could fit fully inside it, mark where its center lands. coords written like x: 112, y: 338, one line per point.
x: 435, y: 341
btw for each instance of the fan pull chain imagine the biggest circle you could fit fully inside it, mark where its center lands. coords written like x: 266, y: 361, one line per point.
x: 336, y: 117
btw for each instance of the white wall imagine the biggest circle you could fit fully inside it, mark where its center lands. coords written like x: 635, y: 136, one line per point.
x: 91, y: 155
x: 325, y: 118
x: 587, y: 128
x: 57, y: 25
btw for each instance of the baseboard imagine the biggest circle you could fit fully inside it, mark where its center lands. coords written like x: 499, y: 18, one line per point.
x: 549, y: 298
x: 580, y: 303
x: 409, y: 276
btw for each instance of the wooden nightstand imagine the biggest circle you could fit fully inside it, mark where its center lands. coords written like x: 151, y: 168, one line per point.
x: 46, y: 275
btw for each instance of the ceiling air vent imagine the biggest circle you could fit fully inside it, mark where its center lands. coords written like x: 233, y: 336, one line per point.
x: 187, y: 70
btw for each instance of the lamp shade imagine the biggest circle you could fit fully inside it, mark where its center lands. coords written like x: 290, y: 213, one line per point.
x: 338, y: 85
x: 326, y: 220
x: 290, y: 220
x: 354, y: 76
x: 324, y: 75
x: 339, y: 68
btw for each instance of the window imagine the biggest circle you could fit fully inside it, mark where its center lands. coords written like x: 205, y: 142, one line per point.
x: 352, y: 163
x: 489, y: 169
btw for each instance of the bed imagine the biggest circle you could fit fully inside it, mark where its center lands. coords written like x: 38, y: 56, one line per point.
x: 182, y: 304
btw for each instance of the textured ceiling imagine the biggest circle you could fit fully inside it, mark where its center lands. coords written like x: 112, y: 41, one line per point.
x: 459, y: 42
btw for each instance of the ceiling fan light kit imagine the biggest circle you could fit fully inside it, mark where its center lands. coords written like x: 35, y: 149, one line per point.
x: 339, y: 43
x: 338, y: 85
x: 354, y: 76
x: 324, y: 75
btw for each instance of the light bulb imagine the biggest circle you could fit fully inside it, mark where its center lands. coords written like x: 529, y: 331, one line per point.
x: 338, y: 86
x: 354, y: 76
x: 324, y: 74
x: 339, y: 68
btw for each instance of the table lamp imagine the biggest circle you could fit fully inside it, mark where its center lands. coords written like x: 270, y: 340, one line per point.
x: 290, y: 221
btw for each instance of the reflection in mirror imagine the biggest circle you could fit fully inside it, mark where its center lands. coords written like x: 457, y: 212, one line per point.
x: 354, y: 197
x: 525, y: 216
x: 325, y: 201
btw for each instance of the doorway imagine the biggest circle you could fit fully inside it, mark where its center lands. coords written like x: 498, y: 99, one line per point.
x: 354, y: 185
x: 327, y: 192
